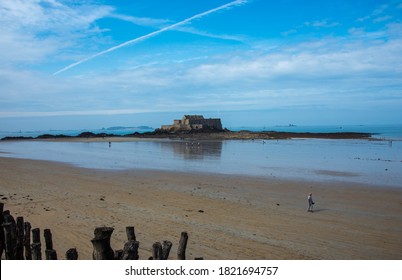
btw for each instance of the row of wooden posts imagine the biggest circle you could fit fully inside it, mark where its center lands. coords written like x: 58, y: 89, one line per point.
x: 15, y: 243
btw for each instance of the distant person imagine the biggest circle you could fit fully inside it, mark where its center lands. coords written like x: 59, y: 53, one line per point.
x: 110, y: 144
x: 310, y: 202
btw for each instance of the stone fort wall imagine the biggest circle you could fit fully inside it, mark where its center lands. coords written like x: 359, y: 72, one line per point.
x: 194, y: 122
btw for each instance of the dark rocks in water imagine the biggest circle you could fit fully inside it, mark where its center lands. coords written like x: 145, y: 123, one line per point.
x: 16, y: 138
x: 88, y: 134
x: 43, y: 136
x: 207, y: 134
x: 51, y: 136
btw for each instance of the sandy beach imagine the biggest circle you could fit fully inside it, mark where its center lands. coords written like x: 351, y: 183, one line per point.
x: 226, y: 217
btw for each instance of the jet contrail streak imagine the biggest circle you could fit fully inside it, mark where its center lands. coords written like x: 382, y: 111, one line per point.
x: 152, y: 34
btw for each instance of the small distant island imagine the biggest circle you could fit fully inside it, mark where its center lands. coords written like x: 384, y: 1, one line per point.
x: 142, y: 127
x: 196, y: 127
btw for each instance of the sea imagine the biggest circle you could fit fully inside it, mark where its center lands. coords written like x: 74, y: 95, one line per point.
x: 377, y: 161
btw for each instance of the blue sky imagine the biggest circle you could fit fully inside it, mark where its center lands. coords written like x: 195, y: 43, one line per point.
x: 69, y: 64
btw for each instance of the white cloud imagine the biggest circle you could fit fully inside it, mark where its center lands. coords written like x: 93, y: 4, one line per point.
x: 317, y: 24
x: 381, y: 13
x: 382, y: 18
x: 142, y: 21
x: 322, y: 23
x: 33, y: 30
x: 326, y: 58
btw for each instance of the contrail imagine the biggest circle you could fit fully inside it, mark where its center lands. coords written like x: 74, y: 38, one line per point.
x: 152, y: 34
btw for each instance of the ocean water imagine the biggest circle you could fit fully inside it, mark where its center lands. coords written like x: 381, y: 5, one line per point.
x: 376, y: 162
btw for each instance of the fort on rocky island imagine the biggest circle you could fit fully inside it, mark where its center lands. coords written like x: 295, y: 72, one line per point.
x: 193, y: 122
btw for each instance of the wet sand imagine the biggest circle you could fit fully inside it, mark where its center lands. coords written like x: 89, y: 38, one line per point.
x: 226, y: 217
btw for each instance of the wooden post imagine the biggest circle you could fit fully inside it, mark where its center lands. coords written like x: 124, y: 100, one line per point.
x: 19, y: 247
x: 166, y: 246
x: 118, y: 254
x: 10, y: 235
x: 48, y: 239
x: 10, y: 238
x: 36, y: 235
x: 157, y: 251
x: 36, y: 246
x: 27, y: 241
x: 5, y: 212
x: 181, y: 251
x: 130, y: 234
x: 72, y: 254
x: 130, y: 251
x: 36, y: 251
x: 2, y: 241
x: 101, y: 243
x: 51, y: 254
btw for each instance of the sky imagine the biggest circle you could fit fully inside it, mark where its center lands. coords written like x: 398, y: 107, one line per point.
x: 73, y: 64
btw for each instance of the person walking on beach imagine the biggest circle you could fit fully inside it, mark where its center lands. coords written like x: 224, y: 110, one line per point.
x: 310, y: 202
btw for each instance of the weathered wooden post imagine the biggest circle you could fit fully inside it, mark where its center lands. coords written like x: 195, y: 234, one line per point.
x: 130, y: 234
x: 48, y: 239
x: 36, y: 245
x: 130, y: 251
x: 118, y: 254
x: 27, y: 241
x: 181, y: 251
x: 19, y: 246
x: 2, y: 245
x: 157, y: 251
x: 72, y: 254
x: 166, y: 246
x: 10, y: 235
x: 101, y: 243
x: 49, y: 252
x: 36, y: 251
x: 51, y: 255
x: 6, y: 214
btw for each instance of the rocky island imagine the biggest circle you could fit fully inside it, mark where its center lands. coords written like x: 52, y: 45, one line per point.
x: 196, y: 127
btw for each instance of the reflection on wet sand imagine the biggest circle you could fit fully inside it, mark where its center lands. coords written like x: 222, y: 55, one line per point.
x: 190, y: 150
x: 363, y: 161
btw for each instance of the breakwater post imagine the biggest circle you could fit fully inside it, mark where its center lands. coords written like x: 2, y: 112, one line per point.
x: 27, y: 241
x: 101, y: 244
x: 181, y: 251
x: 36, y: 246
x: 2, y: 241
x: 15, y: 242
x: 49, y: 252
